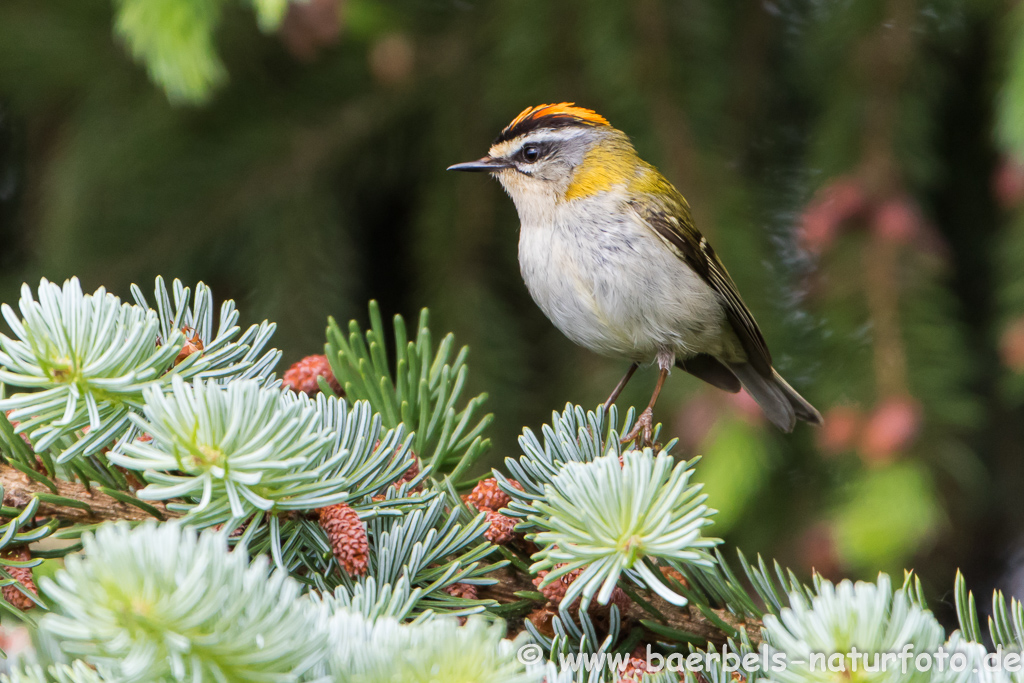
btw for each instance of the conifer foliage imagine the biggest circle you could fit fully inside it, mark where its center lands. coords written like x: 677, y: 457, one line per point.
x: 228, y: 528
x: 176, y: 508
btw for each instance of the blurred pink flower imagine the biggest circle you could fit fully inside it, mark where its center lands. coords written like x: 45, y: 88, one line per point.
x: 891, y: 429
x: 840, y: 430
x: 1008, y: 183
x: 898, y: 220
x: 311, y: 26
x: 841, y: 200
x: 1011, y: 345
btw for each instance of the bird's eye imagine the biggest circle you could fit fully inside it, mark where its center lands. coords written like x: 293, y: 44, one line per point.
x: 531, y: 153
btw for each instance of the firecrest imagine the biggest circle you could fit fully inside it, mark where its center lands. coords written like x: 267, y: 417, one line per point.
x: 609, y: 252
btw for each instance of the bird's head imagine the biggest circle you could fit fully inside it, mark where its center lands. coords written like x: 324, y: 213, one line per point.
x: 557, y: 152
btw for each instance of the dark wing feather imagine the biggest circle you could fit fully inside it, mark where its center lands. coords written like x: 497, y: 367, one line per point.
x: 712, y: 371
x: 669, y: 217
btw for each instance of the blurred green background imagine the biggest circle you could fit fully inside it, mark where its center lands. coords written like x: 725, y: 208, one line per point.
x: 856, y: 165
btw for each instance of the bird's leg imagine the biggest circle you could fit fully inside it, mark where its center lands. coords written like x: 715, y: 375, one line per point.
x: 644, y: 426
x: 620, y: 386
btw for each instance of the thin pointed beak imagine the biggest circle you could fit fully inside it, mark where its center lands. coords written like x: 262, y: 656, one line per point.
x: 483, y: 164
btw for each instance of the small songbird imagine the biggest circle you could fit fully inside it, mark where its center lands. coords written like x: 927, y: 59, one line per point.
x: 609, y: 252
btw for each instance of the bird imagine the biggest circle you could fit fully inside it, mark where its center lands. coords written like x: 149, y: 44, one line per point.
x: 609, y: 251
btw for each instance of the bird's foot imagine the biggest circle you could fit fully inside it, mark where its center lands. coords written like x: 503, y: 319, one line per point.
x: 644, y: 429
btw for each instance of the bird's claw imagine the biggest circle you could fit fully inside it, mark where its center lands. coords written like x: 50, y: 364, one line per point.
x: 644, y: 429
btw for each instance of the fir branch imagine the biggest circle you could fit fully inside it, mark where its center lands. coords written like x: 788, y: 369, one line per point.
x: 88, y: 356
x: 224, y: 351
x: 688, y: 619
x: 79, y: 672
x: 231, y: 619
x: 230, y: 450
x: 424, y: 392
x: 19, y: 490
x: 615, y: 513
x: 438, y: 650
x: 432, y: 549
x: 870, y: 617
x: 1005, y: 625
x: 73, y: 502
x: 574, y: 435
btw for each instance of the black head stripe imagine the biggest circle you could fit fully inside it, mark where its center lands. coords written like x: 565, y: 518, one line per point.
x: 533, y: 123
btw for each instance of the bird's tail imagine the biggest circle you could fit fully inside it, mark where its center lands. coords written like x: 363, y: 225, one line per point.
x: 781, y: 403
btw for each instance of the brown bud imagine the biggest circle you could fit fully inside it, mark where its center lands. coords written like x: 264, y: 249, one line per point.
x: 347, y: 535
x: 192, y: 345
x: 555, y: 591
x: 673, y: 574
x: 412, y: 472
x: 487, y: 495
x: 633, y: 671
x: 542, y: 618
x: 302, y: 376
x: 466, y: 591
x: 500, y: 532
x: 22, y: 575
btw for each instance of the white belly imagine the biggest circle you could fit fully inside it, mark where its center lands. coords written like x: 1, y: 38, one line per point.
x: 616, y: 289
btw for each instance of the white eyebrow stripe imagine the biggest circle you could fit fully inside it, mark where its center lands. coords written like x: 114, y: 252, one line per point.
x: 553, y: 134
x: 511, y: 147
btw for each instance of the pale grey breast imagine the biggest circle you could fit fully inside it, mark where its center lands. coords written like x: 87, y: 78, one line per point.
x: 609, y: 284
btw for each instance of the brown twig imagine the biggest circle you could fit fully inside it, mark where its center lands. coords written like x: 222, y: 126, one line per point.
x: 686, y: 619
x: 886, y: 58
x: 881, y: 285
x: 19, y: 490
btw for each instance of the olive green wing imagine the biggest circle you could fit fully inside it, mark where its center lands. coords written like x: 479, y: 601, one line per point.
x: 669, y: 218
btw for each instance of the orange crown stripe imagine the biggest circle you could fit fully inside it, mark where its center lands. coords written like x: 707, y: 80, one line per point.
x: 566, y: 109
